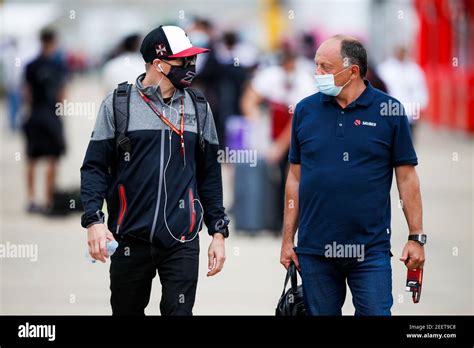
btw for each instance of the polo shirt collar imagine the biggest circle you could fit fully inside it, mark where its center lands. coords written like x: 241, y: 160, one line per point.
x: 364, y: 99
x: 367, y: 95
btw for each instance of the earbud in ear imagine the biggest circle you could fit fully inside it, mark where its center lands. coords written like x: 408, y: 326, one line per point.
x: 161, y: 69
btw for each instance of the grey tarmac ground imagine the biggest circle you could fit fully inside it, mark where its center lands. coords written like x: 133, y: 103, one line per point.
x: 62, y: 281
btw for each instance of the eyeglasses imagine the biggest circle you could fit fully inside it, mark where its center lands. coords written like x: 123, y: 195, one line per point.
x: 187, y: 61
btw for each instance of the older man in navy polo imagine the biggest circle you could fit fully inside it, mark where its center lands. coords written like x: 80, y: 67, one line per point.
x: 347, y: 140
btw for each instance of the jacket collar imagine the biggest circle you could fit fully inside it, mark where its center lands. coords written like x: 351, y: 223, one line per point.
x: 154, y: 92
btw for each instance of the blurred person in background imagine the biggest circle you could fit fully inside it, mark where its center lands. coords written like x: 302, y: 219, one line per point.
x: 405, y: 81
x: 201, y: 33
x: 45, y: 79
x: 236, y: 59
x: 280, y: 87
x: 125, y: 66
x: 342, y: 157
x: 13, y: 81
x: 308, y: 45
x: 208, y: 70
x: 230, y: 49
x: 373, y: 77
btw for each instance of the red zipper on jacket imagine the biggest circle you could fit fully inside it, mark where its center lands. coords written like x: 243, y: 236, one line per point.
x: 193, y: 212
x: 123, y: 204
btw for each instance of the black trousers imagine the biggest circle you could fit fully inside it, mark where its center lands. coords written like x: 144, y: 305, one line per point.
x: 133, y: 267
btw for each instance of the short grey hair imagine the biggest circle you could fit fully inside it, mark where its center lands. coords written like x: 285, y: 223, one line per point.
x: 354, y: 51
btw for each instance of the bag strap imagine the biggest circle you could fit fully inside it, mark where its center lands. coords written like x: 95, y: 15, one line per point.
x: 200, y: 106
x: 121, y: 105
x: 291, y: 275
x: 294, y: 278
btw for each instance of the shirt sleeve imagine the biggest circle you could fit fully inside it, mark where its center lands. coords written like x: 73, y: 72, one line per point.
x: 209, y: 178
x: 94, y: 171
x: 294, y: 154
x: 403, y: 151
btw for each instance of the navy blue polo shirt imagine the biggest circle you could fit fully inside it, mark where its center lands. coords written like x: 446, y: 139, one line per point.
x: 347, y: 158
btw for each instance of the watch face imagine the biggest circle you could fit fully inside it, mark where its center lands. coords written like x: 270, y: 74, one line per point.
x: 421, y: 238
x: 220, y: 224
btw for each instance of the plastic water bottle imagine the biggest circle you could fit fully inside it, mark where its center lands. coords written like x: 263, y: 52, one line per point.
x: 111, y: 247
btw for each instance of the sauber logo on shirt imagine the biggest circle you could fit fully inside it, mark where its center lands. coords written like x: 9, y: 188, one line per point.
x: 365, y: 123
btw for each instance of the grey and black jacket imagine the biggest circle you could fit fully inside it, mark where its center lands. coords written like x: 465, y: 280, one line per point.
x: 138, y: 185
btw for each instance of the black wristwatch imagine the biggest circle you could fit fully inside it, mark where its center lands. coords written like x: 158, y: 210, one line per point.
x: 224, y: 232
x: 420, y: 238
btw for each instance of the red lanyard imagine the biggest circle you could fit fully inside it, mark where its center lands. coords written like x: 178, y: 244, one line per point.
x: 180, y: 132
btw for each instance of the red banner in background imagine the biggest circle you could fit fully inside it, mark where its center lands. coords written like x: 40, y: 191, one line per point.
x: 450, y: 81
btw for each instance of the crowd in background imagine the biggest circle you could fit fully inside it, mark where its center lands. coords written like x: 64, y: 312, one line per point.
x: 251, y: 93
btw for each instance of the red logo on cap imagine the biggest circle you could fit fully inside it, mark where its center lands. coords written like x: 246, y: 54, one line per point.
x: 357, y: 122
x: 161, y: 50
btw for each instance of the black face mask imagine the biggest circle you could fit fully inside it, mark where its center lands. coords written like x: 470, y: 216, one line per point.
x: 181, y: 77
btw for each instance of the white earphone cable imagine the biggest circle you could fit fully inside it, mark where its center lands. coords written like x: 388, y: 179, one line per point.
x: 166, y: 193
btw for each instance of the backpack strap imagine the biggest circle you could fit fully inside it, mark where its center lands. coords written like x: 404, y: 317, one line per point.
x: 200, y: 106
x: 121, y: 104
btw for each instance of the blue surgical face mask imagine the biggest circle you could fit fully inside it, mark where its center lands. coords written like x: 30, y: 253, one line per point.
x: 199, y: 39
x: 326, y: 84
